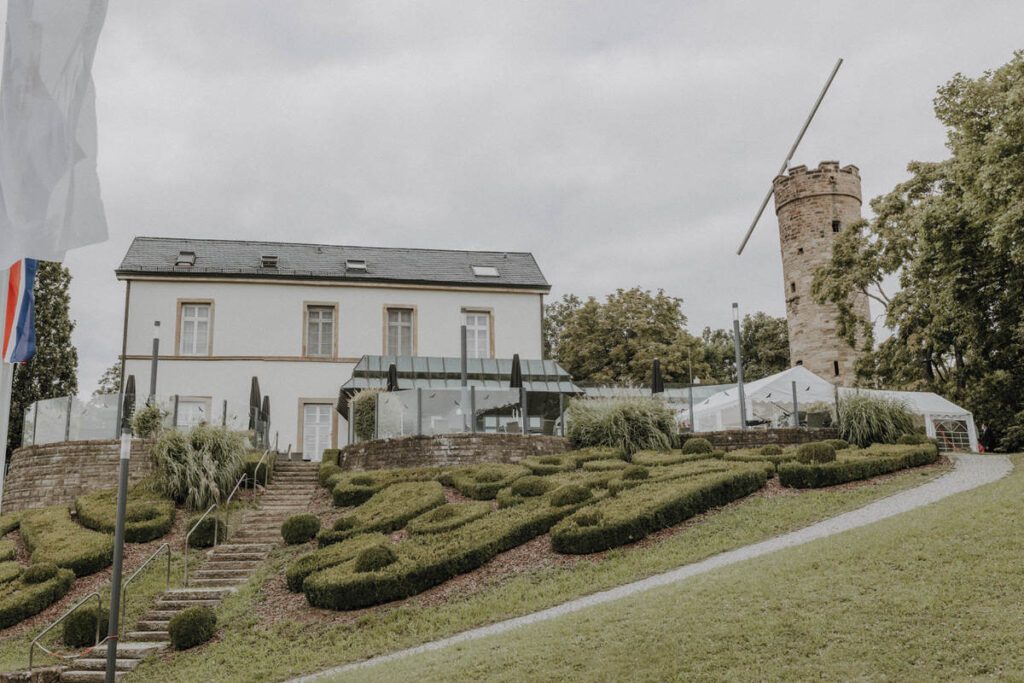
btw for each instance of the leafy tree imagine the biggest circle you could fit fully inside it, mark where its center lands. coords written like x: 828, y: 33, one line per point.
x: 53, y: 371
x: 764, y: 341
x: 110, y: 381
x: 953, y: 237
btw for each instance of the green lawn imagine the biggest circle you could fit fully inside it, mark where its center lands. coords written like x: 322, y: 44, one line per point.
x: 247, y: 651
x: 934, y: 594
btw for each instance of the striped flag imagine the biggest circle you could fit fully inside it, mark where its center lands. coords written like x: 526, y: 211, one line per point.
x: 19, y: 328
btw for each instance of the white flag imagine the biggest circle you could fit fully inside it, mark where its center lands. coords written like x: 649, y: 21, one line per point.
x: 49, y: 190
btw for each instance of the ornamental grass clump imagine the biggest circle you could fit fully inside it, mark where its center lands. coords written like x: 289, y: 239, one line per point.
x: 200, y: 467
x: 864, y: 419
x: 629, y: 424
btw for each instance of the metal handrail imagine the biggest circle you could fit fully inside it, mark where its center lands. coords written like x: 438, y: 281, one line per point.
x: 124, y: 585
x: 189, y: 534
x: 256, y: 485
x: 35, y: 641
x: 227, y: 505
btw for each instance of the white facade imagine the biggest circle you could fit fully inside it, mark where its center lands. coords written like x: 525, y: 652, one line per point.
x: 262, y: 328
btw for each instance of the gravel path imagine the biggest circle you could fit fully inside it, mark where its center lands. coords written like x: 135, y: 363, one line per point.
x: 970, y: 472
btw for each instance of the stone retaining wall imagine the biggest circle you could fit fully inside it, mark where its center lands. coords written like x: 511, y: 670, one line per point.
x: 735, y: 439
x: 57, y: 473
x: 447, y: 450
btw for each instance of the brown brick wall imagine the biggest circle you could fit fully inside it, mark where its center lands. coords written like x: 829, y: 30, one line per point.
x: 447, y: 450
x: 56, y: 473
x: 736, y: 439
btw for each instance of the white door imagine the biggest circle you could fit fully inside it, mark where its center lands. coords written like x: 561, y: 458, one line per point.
x: 316, y: 430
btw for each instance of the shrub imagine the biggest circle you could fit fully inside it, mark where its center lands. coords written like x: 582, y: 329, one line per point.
x: 375, y: 558
x: 816, y: 452
x: 770, y: 449
x: 9, y: 571
x: 148, y: 515
x: 147, y: 422
x: 604, y: 465
x: 9, y: 522
x: 266, y: 473
x: 6, y: 550
x: 198, y: 467
x: 327, y: 473
x: 192, y: 626
x: 594, y: 453
x: 21, y: 600
x: 212, y: 526
x: 669, y: 473
x: 328, y: 557
x: 653, y: 459
x: 364, y: 414
x: 912, y: 439
x: 550, y: 464
x: 865, y: 419
x: 355, y: 488
x: 759, y: 456
x: 447, y: 517
x: 331, y: 456
x: 426, y: 561
x: 52, y: 536
x: 634, y: 514
x: 80, y: 626
x: 570, y: 494
x: 531, y: 486
x: 853, y: 468
x: 37, y: 573
x: 388, y: 510
x: 629, y: 424
x: 837, y: 444
x: 636, y: 473
x: 483, y: 482
x: 300, y: 528
x: 697, y: 444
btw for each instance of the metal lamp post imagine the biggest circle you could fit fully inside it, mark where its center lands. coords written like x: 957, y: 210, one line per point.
x: 739, y: 364
x: 153, y: 363
x: 122, y: 501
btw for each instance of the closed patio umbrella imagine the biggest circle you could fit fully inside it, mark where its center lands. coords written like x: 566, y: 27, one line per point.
x: 657, y: 383
x: 265, y: 410
x: 254, y: 403
x: 392, y: 377
x: 516, y: 379
x: 128, y: 408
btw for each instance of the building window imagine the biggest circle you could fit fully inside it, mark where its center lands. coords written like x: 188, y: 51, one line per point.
x: 478, y: 334
x: 320, y: 331
x: 799, y: 362
x: 194, y: 329
x: 799, y: 250
x: 835, y: 226
x: 316, y: 430
x: 192, y: 412
x: 792, y: 287
x: 835, y: 367
x: 399, y: 332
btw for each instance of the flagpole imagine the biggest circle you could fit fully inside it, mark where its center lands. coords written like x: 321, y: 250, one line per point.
x: 6, y: 386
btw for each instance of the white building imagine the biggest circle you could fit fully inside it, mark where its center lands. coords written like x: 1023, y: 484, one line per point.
x: 300, y: 316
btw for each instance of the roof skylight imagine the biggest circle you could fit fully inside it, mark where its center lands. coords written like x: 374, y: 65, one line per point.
x: 186, y: 259
x: 268, y: 261
x: 358, y: 265
x: 485, y: 271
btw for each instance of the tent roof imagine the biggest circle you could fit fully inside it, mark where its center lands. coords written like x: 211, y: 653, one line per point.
x: 920, y: 402
x: 776, y: 388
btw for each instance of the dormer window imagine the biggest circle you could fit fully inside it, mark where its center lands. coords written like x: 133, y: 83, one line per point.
x: 355, y: 265
x: 186, y: 259
x: 485, y: 271
x: 267, y: 261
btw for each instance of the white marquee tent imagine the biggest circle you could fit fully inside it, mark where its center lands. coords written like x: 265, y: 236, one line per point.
x: 770, y: 403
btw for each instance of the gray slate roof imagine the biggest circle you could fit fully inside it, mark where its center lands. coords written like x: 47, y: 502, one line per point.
x: 242, y: 258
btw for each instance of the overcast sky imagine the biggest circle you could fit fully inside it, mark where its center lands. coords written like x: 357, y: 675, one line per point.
x: 623, y: 143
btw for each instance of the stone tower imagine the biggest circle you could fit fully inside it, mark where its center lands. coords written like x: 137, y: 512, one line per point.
x: 812, y: 208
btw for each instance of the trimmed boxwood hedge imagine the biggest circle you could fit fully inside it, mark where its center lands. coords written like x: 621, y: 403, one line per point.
x: 7, y: 549
x: 266, y: 473
x: 771, y: 449
x: 192, y: 626
x: 203, y: 536
x: 596, y: 453
x: 331, y: 456
x: 697, y: 444
x: 868, y: 463
x: 327, y: 474
x: 759, y: 456
x: 483, y: 482
x: 300, y: 528
x: 838, y: 444
x: 670, y: 473
x: 550, y: 464
x: 604, y: 465
x: 634, y: 514
x: 52, y: 536
x: 9, y: 571
x: 148, y: 515
x: 80, y: 626
x: 324, y: 558
x: 426, y: 561
x: 355, y: 488
x: 817, y: 451
x: 20, y: 600
x: 447, y: 517
x: 914, y: 439
x: 664, y: 458
x: 375, y: 558
x: 9, y: 522
x: 387, y: 511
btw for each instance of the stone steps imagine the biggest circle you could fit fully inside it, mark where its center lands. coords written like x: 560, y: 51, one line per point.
x: 100, y: 664
x: 162, y: 636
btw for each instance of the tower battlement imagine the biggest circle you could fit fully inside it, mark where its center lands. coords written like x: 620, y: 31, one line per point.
x: 813, y: 207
